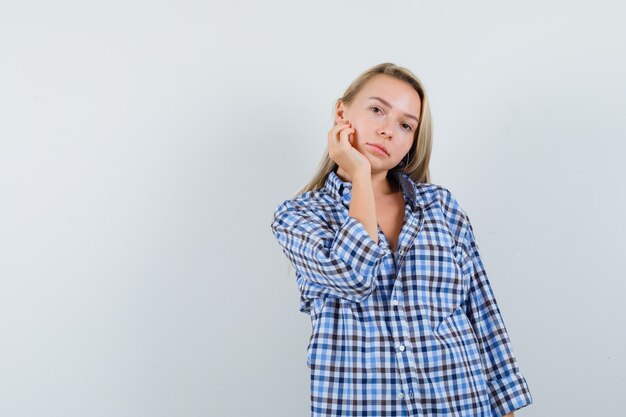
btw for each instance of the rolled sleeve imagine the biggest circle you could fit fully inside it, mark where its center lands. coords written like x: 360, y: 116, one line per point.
x: 344, y: 261
x: 508, y: 394
x: 508, y: 389
x: 353, y: 244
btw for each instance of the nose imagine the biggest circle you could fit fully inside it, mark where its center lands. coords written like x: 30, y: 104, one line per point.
x: 385, y: 131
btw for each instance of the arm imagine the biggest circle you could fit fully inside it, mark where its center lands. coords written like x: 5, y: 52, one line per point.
x: 344, y: 261
x: 507, y: 387
x: 363, y: 204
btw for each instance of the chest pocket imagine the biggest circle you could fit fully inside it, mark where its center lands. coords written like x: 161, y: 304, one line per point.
x: 438, y: 278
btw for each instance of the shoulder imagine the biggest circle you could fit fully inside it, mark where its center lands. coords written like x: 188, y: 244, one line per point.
x: 449, y: 202
x: 429, y: 193
x: 315, y: 204
x: 452, y: 210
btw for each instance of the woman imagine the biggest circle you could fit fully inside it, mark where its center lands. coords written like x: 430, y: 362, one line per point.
x: 404, y: 319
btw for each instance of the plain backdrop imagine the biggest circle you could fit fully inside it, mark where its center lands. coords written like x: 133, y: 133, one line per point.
x: 144, y: 146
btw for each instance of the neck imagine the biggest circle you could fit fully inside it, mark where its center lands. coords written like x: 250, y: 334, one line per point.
x: 382, y: 183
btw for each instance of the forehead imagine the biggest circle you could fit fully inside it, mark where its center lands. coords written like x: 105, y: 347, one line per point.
x: 400, y: 94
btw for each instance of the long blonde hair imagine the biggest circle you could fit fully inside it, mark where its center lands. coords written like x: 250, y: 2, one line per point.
x: 419, y: 154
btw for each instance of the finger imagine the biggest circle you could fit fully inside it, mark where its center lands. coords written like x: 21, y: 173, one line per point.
x: 344, y: 135
x: 337, y: 128
x: 340, y: 125
x: 335, y: 134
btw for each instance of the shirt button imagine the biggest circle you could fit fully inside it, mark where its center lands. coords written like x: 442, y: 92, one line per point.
x: 394, y: 301
x: 410, y: 393
x: 401, y: 395
x: 402, y: 348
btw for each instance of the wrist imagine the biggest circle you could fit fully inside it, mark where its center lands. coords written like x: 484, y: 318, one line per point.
x: 362, y: 176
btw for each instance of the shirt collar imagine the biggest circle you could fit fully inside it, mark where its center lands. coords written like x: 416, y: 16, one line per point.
x: 342, y: 190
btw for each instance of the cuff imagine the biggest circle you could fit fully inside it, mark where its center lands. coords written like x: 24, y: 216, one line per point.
x: 509, y: 394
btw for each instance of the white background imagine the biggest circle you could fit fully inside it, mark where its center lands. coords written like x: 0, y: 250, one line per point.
x: 144, y: 146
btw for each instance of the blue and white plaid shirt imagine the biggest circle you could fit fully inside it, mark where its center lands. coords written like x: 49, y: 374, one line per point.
x: 415, y: 332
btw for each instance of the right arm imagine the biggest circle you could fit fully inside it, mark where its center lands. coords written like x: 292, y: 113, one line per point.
x: 362, y: 203
x: 346, y: 261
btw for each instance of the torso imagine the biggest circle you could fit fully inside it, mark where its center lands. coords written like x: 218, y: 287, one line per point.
x: 390, y: 217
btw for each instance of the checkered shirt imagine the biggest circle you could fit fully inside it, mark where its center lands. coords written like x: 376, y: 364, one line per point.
x: 411, y: 332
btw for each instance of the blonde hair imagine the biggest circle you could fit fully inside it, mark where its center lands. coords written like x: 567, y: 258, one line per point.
x: 419, y: 154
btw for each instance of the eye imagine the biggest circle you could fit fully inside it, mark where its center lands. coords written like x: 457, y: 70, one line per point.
x: 406, y: 126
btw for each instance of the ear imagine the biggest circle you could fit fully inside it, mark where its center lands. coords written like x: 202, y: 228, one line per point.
x: 339, y: 112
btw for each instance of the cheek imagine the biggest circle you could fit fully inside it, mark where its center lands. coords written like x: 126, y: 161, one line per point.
x: 404, y: 150
x: 360, y: 127
x: 357, y: 136
x: 358, y: 121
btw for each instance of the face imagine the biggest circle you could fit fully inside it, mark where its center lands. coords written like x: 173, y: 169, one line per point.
x: 383, y: 113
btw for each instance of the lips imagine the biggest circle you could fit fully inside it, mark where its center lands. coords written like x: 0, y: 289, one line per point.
x: 379, y: 146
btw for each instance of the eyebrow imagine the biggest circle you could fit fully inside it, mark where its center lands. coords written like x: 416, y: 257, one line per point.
x: 386, y: 103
